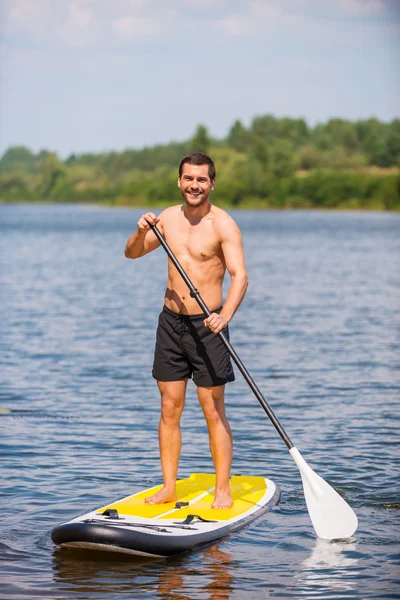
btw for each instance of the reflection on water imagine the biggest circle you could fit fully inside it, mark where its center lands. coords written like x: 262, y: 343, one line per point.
x: 331, y: 554
x: 99, y: 574
x: 330, y: 567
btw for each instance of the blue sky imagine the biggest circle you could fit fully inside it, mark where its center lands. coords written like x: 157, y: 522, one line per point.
x: 92, y: 75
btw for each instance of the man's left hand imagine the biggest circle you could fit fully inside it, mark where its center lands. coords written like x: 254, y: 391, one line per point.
x: 216, y: 322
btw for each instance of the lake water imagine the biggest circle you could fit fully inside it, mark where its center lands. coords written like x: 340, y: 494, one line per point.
x: 319, y: 332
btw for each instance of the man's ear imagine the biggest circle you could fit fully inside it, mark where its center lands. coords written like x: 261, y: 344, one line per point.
x: 213, y: 184
x: 179, y: 182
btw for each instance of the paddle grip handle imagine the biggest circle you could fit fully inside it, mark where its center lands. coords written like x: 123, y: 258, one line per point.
x: 196, y: 295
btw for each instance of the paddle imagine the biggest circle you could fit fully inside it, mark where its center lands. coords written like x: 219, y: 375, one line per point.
x: 331, y: 516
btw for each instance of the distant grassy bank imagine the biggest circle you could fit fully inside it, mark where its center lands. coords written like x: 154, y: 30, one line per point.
x: 272, y: 164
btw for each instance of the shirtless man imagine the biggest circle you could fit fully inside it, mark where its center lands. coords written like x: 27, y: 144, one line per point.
x: 207, y: 242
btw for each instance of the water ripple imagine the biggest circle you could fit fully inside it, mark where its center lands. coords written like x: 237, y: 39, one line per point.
x: 319, y: 332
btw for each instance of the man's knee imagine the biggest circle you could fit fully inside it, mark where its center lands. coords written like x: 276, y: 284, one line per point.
x: 171, y: 410
x: 172, y: 401
x: 212, y: 403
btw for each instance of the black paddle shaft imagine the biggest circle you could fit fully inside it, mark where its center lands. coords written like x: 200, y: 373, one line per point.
x: 196, y: 295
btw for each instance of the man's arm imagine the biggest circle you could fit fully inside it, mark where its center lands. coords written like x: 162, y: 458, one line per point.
x: 232, y: 248
x: 143, y: 240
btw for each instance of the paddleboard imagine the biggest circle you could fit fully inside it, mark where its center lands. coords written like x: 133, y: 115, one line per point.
x: 131, y: 526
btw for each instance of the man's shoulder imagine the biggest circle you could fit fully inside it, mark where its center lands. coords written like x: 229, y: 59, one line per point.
x: 170, y: 212
x: 219, y: 213
x: 222, y: 218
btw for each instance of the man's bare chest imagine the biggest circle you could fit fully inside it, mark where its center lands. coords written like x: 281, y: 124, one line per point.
x: 195, y: 245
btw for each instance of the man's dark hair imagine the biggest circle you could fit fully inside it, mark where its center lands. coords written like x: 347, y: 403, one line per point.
x: 198, y: 158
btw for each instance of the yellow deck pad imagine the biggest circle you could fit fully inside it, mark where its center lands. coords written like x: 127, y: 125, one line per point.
x: 246, y: 492
x: 187, y: 490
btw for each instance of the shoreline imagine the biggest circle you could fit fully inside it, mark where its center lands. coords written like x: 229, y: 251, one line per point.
x: 250, y: 206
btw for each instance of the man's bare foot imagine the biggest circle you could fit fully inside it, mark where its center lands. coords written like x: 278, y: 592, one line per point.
x: 222, y: 500
x: 164, y: 495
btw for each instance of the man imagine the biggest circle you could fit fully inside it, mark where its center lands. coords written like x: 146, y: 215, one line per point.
x: 207, y: 242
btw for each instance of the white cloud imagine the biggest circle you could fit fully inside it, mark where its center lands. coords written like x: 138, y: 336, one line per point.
x: 80, y: 16
x: 204, y: 4
x: 23, y: 16
x: 361, y: 7
x: 260, y: 14
x: 268, y: 10
x: 236, y: 25
x: 82, y: 22
x: 136, y: 27
x: 86, y: 23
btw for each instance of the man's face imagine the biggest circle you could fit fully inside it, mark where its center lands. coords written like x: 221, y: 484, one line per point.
x: 195, y: 184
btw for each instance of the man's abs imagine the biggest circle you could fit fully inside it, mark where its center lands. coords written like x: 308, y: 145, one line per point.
x: 178, y: 299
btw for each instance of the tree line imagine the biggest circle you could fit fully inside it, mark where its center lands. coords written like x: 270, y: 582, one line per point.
x: 272, y: 163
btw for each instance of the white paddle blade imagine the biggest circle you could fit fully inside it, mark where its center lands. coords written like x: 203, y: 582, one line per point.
x: 331, y: 516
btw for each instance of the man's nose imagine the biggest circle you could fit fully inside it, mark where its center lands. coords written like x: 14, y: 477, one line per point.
x: 194, y: 185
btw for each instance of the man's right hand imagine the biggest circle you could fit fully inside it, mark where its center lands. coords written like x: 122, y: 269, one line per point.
x: 143, y: 223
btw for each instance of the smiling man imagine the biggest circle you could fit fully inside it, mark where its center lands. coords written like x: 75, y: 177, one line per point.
x: 207, y: 242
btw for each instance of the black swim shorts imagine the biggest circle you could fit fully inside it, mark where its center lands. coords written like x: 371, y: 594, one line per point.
x: 186, y: 348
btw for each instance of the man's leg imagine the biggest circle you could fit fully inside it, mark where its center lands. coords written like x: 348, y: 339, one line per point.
x: 212, y: 403
x: 169, y: 436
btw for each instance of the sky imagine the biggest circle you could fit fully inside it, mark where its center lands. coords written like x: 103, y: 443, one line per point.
x: 94, y: 75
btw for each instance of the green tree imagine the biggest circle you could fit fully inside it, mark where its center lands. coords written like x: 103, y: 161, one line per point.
x: 18, y: 157
x: 294, y: 130
x: 14, y: 186
x: 388, y: 193
x: 283, y: 159
x: 342, y: 133
x: 238, y: 137
x: 266, y: 128
x: 51, y: 170
x: 321, y: 138
x: 231, y: 170
x: 258, y: 182
x: 393, y: 143
x: 374, y: 141
x: 308, y: 157
x: 200, y: 141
